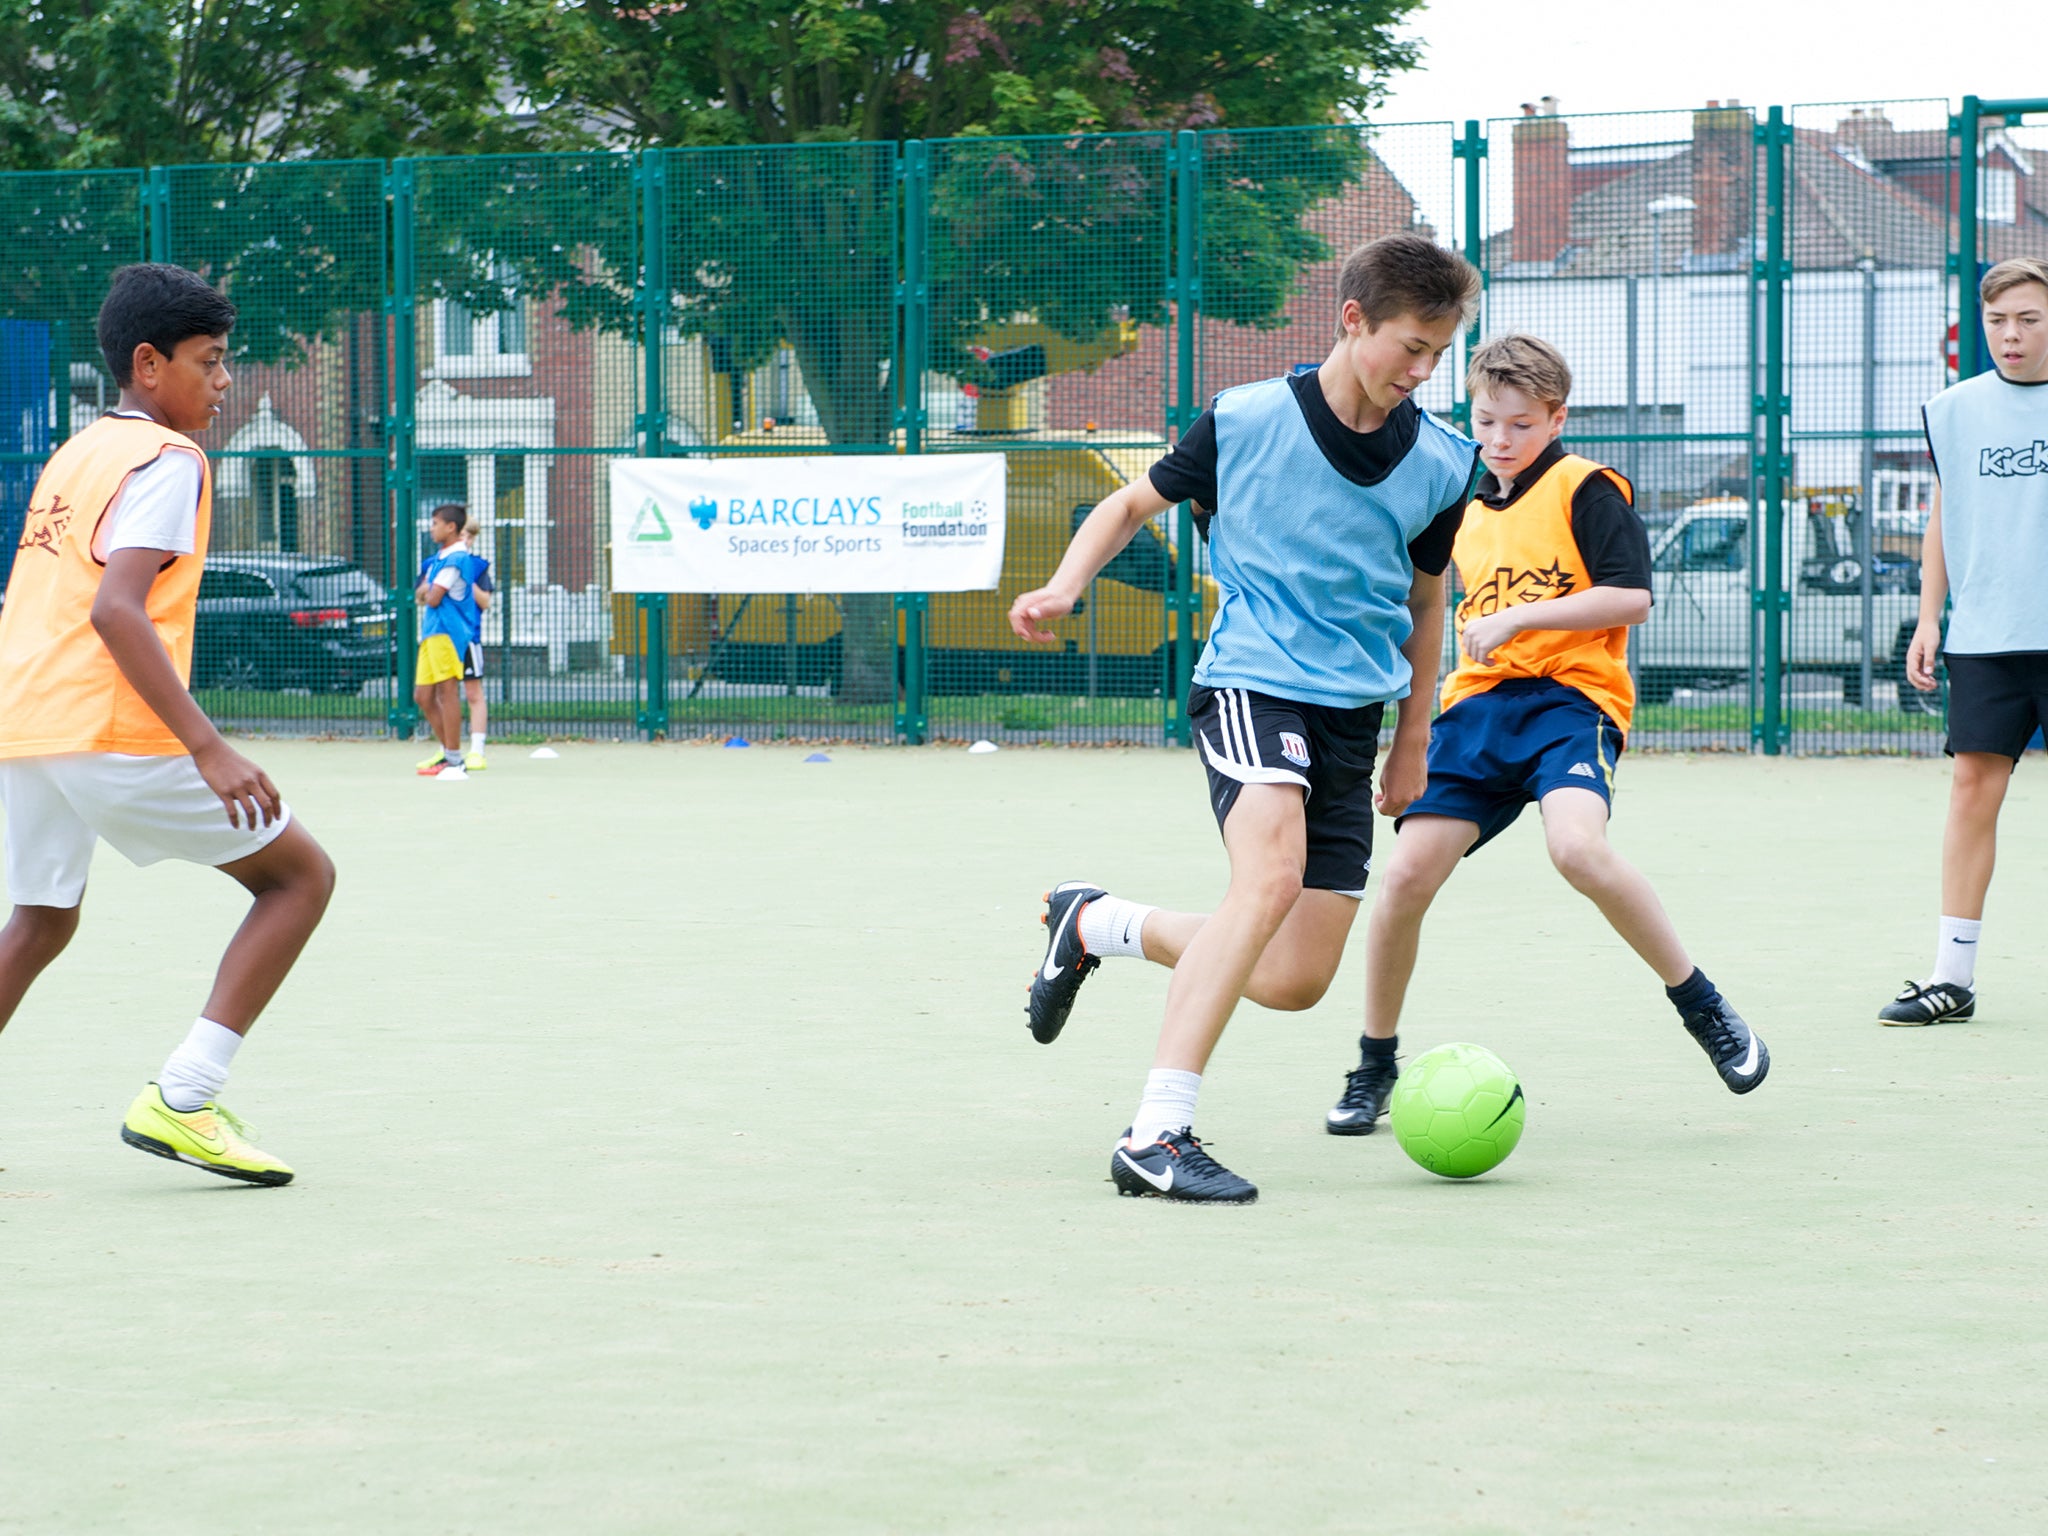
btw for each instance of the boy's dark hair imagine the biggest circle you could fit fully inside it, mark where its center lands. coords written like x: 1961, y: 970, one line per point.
x: 451, y: 512
x: 162, y: 305
x: 1407, y: 275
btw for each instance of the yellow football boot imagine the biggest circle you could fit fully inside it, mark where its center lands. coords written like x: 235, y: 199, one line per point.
x: 474, y: 762
x: 431, y: 764
x: 208, y: 1137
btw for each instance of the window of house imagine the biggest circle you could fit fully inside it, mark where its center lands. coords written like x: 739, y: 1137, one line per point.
x: 475, y: 344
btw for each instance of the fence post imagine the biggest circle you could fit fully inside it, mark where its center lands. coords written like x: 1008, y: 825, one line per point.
x: 401, y: 186
x: 1470, y: 147
x: 156, y: 210
x: 1183, y: 598
x: 1969, y: 328
x: 913, y: 334
x: 1772, y: 601
x: 651, y: 172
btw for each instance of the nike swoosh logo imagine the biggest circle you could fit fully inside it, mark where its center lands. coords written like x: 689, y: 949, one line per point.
x: 1962, y: 941
x: 1051, y: 969
x: 1748, y: 1063
x: 1159, y: 1181
x: 1513, y: 1099
x: 216, y: 1143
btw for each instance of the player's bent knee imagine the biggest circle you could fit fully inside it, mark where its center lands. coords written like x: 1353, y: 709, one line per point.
x: 1297, y: 994
x: 45, y: 931
x: 1586, y: 863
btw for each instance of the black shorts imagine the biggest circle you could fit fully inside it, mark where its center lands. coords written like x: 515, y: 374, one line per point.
x: 1996, y: 703
x: 1253, y: 738
x: 472, y: 660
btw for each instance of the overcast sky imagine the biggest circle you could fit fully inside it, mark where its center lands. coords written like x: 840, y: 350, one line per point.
x: 1483, y: 58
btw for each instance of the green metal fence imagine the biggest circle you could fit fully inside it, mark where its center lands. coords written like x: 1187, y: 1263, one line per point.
x: 1754, y: 302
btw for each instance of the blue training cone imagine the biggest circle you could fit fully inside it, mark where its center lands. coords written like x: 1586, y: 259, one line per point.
x: 817, y: 757
x: 737, y: 741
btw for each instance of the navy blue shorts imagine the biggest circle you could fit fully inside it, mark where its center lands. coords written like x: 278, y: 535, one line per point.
x: 1492, y: 753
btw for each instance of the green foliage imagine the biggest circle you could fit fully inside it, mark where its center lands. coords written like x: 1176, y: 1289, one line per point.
x: 496, y: 230
x: 65, y: 235
x: 735, y: 71
x: 92, y: 83
x: 298, y: 247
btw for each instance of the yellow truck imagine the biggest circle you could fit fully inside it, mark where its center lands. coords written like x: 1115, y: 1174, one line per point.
x: 1117, y: 642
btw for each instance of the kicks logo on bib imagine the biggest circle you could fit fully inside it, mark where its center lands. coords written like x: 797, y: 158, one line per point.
x: 1293, y: 748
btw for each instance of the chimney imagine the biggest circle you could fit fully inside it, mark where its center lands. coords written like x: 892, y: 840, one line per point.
x: 1543, y: 183
x: 1723, y: 183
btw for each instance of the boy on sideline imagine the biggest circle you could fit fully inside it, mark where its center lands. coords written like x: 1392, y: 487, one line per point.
x: 448, y: 628
x: 1334, y: 498
x: 1555, y: 566
x: 485, y: 589
x: 1986, y: 547
x: 99, y: 737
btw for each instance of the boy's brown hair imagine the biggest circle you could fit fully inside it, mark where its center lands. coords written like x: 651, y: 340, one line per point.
x: 452, y: 512
x: 2009, y: 274
x: 1520, y: 361
x: 1407, y: 275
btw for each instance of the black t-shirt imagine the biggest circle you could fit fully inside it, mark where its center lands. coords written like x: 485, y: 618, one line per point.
x: 1188, y: 472
x: 1611, y: 537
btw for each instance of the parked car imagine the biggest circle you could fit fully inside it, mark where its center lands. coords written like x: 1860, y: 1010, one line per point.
x: 1699, y: 634
x: 289, y: 621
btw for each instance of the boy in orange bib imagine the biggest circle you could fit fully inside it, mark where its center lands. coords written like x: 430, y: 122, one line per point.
x: 1555, y: 567
x: 99, y: 737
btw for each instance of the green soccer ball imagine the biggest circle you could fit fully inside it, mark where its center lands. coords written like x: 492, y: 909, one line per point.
x: 1457, y: 1110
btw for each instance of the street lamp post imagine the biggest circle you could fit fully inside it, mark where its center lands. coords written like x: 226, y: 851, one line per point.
x: 1657, y: 209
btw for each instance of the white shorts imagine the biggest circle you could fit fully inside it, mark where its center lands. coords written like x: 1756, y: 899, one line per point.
x: 149, y: 808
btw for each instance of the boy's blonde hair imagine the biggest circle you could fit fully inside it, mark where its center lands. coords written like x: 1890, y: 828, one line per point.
x: 1520, y: 361
x: 2008, y: 275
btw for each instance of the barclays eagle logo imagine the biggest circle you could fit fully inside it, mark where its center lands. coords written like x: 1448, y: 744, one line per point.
x: 705, y: 510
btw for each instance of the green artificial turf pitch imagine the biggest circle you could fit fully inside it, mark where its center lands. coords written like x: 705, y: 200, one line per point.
x: 673, y: 1158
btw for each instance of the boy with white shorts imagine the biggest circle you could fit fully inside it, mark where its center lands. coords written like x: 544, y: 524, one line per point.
x: 99, y: 737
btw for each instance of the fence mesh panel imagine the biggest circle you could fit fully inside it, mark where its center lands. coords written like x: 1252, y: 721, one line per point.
x: 1869, y: 203
x: 294, y: 626
x: 65, y: 234
x: 1627, y: 241
x: 781, y: 337
x: 528, y: 370
x: 1051, y: 340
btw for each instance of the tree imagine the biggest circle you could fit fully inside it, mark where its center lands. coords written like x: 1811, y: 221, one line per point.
x: 99, y: 83
x: 796, y: 243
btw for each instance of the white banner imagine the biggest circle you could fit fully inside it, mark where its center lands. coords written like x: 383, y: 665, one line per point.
x: 830, y: 523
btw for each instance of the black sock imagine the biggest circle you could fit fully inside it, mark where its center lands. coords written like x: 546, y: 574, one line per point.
x: 1692, y: 994
x: 1379, y: 1052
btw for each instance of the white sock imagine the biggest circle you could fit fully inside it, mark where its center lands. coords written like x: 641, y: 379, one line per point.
x: 198, y: 1069
x: 476, y: 743
x: 1112, y: 926
x: 1955, y: 953
x: 1168, y: 1105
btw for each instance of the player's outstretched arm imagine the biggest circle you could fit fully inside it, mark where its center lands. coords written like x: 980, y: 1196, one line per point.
x: 1116, y: 518
x: 1594, y: 608
x: 120, y: 616
x: 1405, y: 774
x: 1926, y: 644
